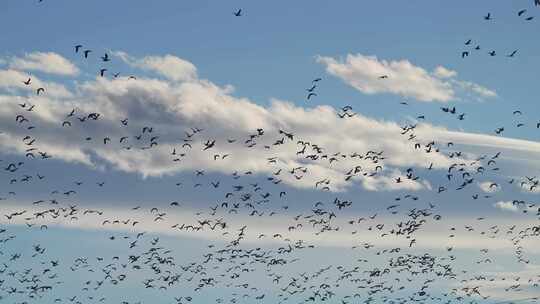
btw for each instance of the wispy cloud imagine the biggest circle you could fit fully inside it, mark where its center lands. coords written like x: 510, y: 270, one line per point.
x: 371, y: 75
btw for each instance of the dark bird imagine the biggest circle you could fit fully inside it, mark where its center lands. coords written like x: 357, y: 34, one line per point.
x: 488, y: 17
x: 238, y: 13
x: 105, y: 57
x: 512, y: 54
x: 28, y: 81
x: 86, y: 53
x: 78, y: 47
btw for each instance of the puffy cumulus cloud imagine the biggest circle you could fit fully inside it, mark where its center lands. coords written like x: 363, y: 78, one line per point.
x: 173, y: 107
x: 401, y: 78
x: 48, y: 62
x: 169, y: 66
x: 12, y: 82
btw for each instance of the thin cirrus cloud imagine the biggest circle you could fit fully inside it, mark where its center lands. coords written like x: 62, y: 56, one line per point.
x: 46, y: 62
x: 401, y: 77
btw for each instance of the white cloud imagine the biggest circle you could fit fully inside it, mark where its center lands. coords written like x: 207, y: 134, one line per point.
x: 169, y: 66
x: 507, y: 206
x: 433, y: 234
x: 443, y: 72
x: 12, y: 81
x: 49, y: 62
x: 475, y: 89
x: 489, y: 187
x: 403, y: 78
x: 172, y: 107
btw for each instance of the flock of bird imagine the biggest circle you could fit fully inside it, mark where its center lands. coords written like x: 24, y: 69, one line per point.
x: 253, y: 265
x: 469, y: 43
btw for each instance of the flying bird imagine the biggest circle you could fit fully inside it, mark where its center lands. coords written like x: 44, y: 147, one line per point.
x: 512, y: 54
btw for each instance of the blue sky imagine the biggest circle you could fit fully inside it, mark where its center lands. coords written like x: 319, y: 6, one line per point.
x: 199, y: 66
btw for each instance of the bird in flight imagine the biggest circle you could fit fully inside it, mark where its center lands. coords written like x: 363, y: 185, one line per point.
x: 105, y: 57
x: 238, y: 13
x: 512, y: 54
x: 488, y: 17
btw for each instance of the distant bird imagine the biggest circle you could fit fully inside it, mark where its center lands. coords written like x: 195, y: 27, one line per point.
x: 383, y: 77
x: 464, y: 54
x: 105, y: 57
x: 521, y: 12
x: 492, y: 53
x: 86, y: 53
x: 529, y: 18
x: 312, y: 88
x: 40, y: 90
x: 319, y: 79
x: 488, y: 17
x: 28, y: 81
x: 238, y: 13
x: 311, y: 95
x: 78, y: 47
x: 468, y: 42
x: 512, y: 54
x: 102, y: 72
